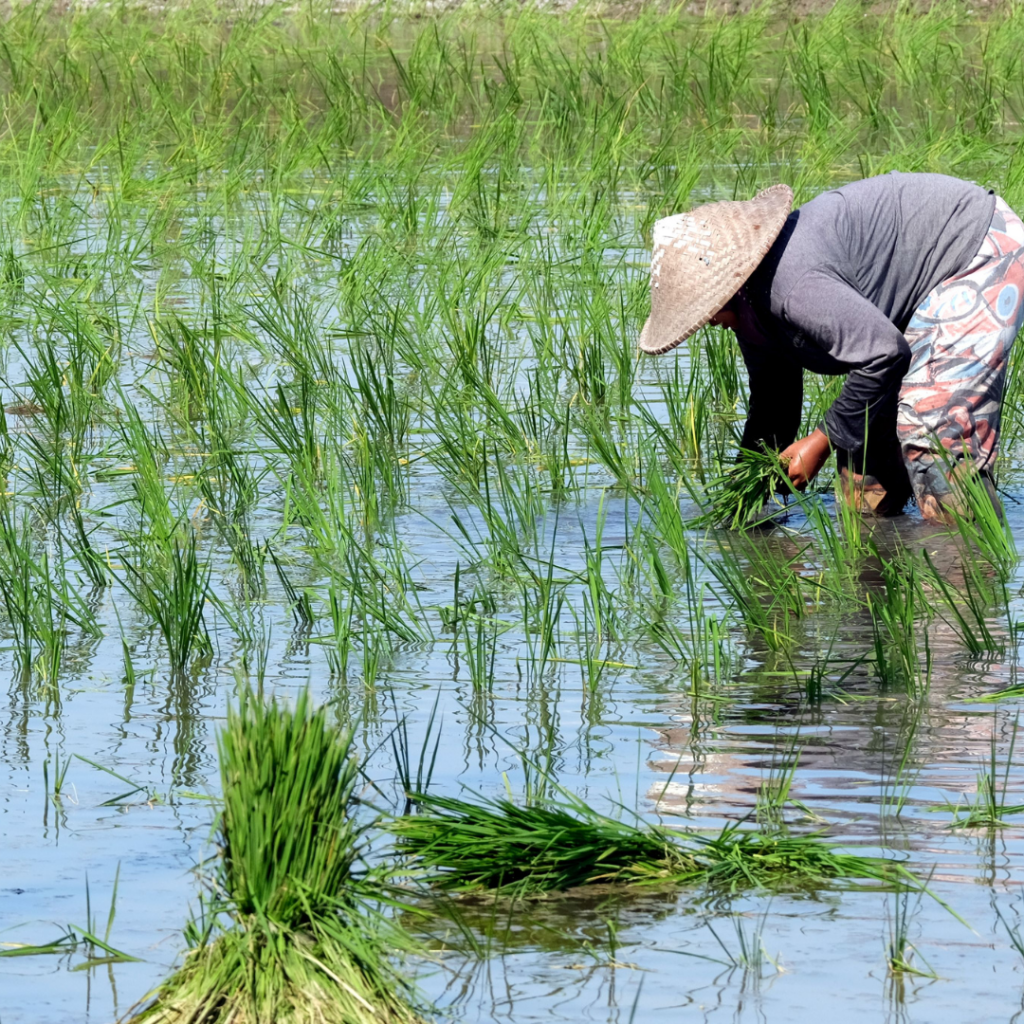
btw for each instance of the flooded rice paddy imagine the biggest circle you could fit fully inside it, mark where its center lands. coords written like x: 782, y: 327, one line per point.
x: 319, y: 372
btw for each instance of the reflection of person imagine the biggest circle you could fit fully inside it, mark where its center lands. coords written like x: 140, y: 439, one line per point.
x: 911, y: 284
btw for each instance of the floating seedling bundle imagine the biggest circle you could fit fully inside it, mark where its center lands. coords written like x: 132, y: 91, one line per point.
x: 496, y: 845
x: 293, y: 933
x: 747, y: 494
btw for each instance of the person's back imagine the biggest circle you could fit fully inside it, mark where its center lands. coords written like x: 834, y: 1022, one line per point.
x: 891, y: 238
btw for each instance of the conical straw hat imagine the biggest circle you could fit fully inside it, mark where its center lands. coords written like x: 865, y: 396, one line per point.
x: 702, y: 258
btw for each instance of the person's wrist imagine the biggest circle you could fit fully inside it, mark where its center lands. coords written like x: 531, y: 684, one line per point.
x: 821, y: 440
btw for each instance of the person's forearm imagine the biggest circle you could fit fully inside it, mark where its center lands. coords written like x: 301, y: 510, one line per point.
x: 867, y: 394
x: 804, y: 458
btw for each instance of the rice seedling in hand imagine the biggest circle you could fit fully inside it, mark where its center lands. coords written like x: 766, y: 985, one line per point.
x: 747, y: 494
x: 560, y: 842
x: 292, y: 933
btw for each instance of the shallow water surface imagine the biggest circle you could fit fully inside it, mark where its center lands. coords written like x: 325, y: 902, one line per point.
x: 873, y: 768
x: 393, y: 405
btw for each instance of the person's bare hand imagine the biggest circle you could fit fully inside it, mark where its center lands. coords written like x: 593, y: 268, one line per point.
x: 804, y: 458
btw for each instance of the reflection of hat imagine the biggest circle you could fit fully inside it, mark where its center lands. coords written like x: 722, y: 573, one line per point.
x: 702, y: 258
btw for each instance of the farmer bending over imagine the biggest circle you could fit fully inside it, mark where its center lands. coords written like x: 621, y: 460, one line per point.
x: 911, y: 284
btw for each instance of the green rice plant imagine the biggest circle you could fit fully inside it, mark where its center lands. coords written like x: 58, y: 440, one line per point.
x: 193, y: 366
x: 966, y: 611
x: 88, y: 935
x: 369, y: 581
x: 384, y: 407
x: 703, y: 643
x: 663, y: 511
x: 689, y: 418
x: 561, y: 842
x: 1012, y: 928
x: 75, y: 938
x: 1006, y: 693
x: 60, y: 772
x: 603, y: 600
x: 383, y: 590
x: 300, y: 603
x: 896, y: 614
x: 751, y: 955
x: 543, y: 598
x: 973, y: 508
x: 54, y: 386
x: 611, y: 452
x: 901, y: 956
x: 377, y: 654
x: 379, y: 482
x: 250, y: 559
x: 898, y: 786
x: 293, y: 931
x: 767, y: 590
x: 158, y: 523
x: 340, y: 641
x: 38, y: 601
x: 228, y: 478
x: 288, y: 422
x: 479, y: 650
x: 989, y: 806
x: 406, y: 780
x: 747, y: 494
x: 979, y: 521
x: 174, y: 596
x: 842, y: 545
x: 65, y: 943
x: 514, y: 511
x: 773, y: 794
x: 495, y: 844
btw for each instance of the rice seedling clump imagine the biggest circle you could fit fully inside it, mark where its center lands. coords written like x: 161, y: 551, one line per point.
x: 496, y: 845
x: 747, y: 493
x: 292, y: 932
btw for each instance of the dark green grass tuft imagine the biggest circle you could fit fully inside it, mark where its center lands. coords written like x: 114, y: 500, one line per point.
x: 747, y: 494
x: 496, y: 845
x: 293, y: 934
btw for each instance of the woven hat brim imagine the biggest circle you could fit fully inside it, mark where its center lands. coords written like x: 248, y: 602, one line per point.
x: 700, y: 260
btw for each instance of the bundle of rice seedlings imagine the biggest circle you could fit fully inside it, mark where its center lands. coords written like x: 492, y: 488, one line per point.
x: 296, y: 933
x: 498, y: 845
x: 747, y: 493
x: 738, y: 859
x: 495, y: 845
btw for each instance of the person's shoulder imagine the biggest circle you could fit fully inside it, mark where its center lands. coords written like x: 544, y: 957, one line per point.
x: 804, y: 246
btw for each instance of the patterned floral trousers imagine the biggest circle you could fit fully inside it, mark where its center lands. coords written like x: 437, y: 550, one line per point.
x: 950, y: 400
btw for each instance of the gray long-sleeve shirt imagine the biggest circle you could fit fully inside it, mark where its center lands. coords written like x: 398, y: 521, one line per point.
x: 837, y: 290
